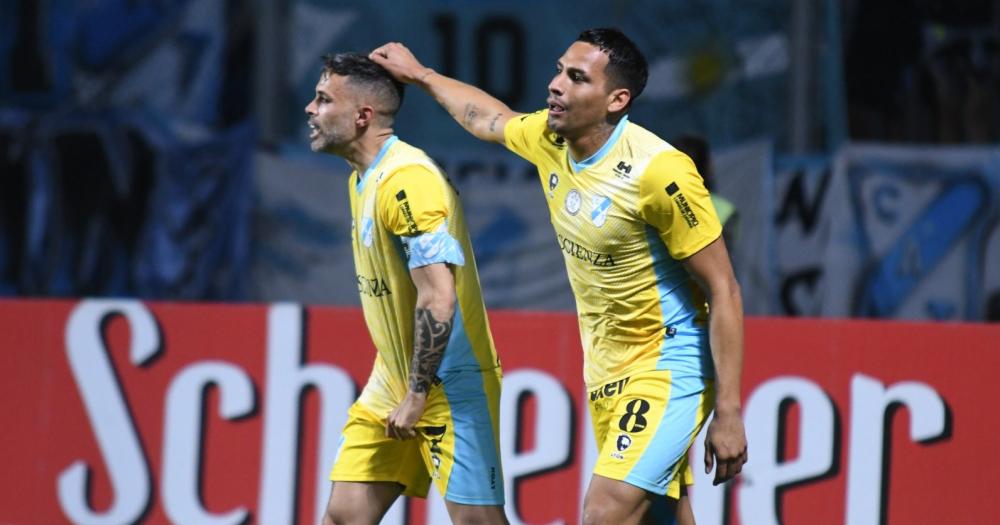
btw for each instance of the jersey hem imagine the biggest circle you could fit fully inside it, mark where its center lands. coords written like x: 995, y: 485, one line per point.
x: 639, y: 370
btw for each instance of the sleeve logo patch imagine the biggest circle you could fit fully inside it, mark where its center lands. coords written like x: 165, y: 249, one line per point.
x: 404, y: 208
x: 682, y: 204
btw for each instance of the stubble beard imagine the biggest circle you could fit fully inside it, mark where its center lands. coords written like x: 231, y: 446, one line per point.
x: 324, y: 142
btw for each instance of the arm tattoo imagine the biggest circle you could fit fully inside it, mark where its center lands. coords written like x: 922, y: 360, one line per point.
x: 493, y: 123
x: 430, y: 339
x: 471, y: 112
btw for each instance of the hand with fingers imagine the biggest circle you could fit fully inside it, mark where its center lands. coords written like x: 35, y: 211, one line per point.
x: 402, y: 421
x: 400, y: 63
x: 725, y: 447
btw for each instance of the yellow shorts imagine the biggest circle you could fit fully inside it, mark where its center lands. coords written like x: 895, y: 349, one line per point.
x: 457, y: 444
x: 645, y: 424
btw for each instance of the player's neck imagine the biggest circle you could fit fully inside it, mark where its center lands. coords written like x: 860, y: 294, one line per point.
x: 584, y: 146
x: 362, y: 152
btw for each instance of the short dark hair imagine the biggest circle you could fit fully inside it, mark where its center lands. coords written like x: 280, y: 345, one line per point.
x: 626, y: 65
x: 363, y: 71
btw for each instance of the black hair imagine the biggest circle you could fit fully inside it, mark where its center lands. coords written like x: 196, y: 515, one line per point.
x: 363, y: 71
x: 626, y: 65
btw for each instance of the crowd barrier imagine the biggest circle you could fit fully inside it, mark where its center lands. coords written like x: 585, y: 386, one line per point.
x: 131, y: 412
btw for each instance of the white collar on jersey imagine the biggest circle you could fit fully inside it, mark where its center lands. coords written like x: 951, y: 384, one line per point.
x: 599, y: 154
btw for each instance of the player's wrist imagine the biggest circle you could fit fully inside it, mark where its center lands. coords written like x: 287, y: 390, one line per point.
x: 726, y: 409
x: 424, y: 75
x: 415, y: 395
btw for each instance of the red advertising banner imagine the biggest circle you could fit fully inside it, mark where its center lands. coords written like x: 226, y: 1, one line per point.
x: 128, y: 412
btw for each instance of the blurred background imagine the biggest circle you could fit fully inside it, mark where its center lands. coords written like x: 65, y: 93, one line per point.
x: 156, y: 149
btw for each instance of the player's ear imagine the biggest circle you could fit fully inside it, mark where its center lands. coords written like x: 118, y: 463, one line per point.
x: 618, y: 100
x: 364, y: 117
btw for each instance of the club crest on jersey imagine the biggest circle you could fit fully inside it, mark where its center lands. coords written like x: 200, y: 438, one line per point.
x: 367, y: 227
x: 623, y: 442
x: 573, y: 202
x: 601, y: 206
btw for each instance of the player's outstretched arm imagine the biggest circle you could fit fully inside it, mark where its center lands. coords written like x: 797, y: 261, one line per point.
x: 477, y: 111
x: 726, y: 443
x: 432, y: 325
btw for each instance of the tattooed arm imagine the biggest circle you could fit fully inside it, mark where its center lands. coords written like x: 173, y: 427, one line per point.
x: 477, y: 111
x: 431, y: 331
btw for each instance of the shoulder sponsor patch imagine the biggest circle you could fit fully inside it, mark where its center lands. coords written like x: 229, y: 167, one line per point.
x: 404, y: 208
x: 682, y: 204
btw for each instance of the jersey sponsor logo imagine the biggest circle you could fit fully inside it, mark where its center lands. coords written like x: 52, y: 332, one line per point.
x: 404, y: 208
x: 373, y: 286
x: 601, y: 205
x: 609, y: 390
x: 584, y: 254
x: 367, y: 231
x: 573, y: 202
x: 622, y: 170
x: 553, y: 182
x: 682, y: 204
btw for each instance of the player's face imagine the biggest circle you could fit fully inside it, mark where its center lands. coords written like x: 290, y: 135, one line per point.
x: 578, y: 94
x: 332, y: 115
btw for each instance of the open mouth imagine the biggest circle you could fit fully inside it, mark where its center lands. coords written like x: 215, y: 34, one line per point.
x: 313, y: 130
x: 556, y: 108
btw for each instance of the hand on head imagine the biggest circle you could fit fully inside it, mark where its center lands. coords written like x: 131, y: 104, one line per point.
x: 400, y: 62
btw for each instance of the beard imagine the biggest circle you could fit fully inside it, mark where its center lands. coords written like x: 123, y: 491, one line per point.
x: 332, y: 134
x: 325, y: 141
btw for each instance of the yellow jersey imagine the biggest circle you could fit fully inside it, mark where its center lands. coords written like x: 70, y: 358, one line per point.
x: 624, y: 218
x: 406, y: 214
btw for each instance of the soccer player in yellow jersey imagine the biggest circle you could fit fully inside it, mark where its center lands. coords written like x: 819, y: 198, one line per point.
x: 645, y: 259
x: 431, y: 405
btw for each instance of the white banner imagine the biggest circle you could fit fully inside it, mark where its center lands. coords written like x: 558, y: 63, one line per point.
x: 914, y: 233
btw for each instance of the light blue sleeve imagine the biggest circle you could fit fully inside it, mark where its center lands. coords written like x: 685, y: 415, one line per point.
x: 437, y: 246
